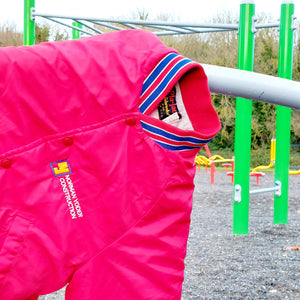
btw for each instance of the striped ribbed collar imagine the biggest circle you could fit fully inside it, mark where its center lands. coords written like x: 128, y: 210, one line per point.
x: 156, y: 86
x: 170, y: 137
x: 162, y: 79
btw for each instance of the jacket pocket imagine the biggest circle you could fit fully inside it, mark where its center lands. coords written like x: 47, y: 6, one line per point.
x: 12, y: 243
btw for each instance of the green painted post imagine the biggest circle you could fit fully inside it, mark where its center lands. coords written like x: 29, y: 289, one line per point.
x: 29, y: 24
x: 76, y: 33
x: 283, y: 114
x: 242, y: 145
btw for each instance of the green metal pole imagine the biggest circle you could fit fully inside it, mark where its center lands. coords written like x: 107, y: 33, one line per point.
x: 76, y: 33
x: 29, y: 30
x: 283, y: 114
x: 242, y: 144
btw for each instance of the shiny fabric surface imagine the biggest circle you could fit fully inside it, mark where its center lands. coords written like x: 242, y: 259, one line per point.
x: 88, y: 198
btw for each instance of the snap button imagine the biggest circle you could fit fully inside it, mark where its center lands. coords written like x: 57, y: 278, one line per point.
x: 67, y: 141
x: 6, y: 163
x: 130, y: 121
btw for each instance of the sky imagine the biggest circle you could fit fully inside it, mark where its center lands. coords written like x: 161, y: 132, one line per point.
x: 187, y: 11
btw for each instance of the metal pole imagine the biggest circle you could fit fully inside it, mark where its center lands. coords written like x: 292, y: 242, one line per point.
x: 29, y: 23
x: 242, y: 143
x: 76, y: 33
x: 276, y: 189
x: 138, y: 22
x: 283, y: 115
x: 251, y: 85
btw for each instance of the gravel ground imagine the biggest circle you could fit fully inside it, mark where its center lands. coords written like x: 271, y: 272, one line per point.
x: 220, y: 265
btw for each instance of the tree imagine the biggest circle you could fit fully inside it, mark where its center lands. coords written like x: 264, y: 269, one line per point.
x: 46, y: 33
x: 42, y: 33
x: 9, y: 36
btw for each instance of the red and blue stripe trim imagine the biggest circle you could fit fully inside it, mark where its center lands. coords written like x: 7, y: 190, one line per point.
x: 169, y: 139
x: 161, y: 79
x: 156, y: 86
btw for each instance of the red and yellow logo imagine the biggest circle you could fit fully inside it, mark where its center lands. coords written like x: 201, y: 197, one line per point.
x: 60, y: 168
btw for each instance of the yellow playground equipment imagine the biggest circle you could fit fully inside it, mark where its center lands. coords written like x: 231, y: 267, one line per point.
x: 272, y: 161
x: 294, y: 172
x: 272, y: 158
x: 203, y: 160
x: 210, y: 161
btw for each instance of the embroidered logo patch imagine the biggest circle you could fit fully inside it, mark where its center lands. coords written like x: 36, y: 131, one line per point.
x: 60, y: 168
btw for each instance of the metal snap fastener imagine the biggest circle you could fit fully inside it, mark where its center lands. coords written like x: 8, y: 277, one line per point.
x: 130, y: 121
x: 67, y: 141
x: 6, y: 163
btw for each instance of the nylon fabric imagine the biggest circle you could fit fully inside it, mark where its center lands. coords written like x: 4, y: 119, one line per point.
x: 88, y: 197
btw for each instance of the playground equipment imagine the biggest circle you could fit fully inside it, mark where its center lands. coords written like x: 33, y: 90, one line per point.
x: 293, y: 172
x: 243, y: 120
x: 210, y: 161
x: 202, y: 160
x: 239, y: 83
x: 251, y: 174
x: 272, y: 158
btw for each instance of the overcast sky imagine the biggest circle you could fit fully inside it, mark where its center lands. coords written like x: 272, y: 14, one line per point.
x: 187, y: 11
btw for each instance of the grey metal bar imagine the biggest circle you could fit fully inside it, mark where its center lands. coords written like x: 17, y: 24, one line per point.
x: 130, y: 26
x: 109, y: 25
x: 166, y: 31
x: 238, y: 190
x: 192, y: 30
x: 70, y: 26
x: 271, y: 25
x: 167, y: 27
x: 161, y: 33
x: 138, y: 22
x: 260, y: 191
x: 158, y: 33
x: 276, y: 189
x: 253, y: 86
x: 177, y: 30
x: 88, y: 26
